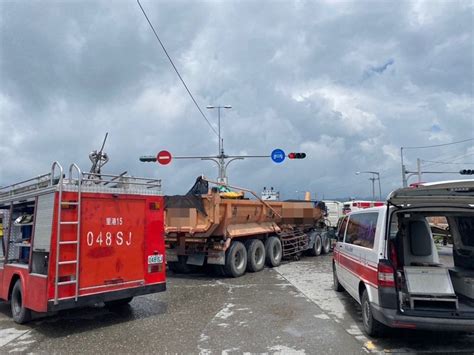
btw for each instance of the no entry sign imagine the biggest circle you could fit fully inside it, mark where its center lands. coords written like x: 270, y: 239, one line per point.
x: 164, y: 157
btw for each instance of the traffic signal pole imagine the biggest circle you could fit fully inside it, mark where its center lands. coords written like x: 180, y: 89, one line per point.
x: 222, y: 160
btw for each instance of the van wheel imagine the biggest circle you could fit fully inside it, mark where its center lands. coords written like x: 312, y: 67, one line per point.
x: 236, y: 260
x: 326, y: 244
x: 317, y: 246
x: 20, y: 314
x: 371, y: 325
x: 337, y: 286
x: 255, y: 255
x: 118, y: 303
x: 273, y: 251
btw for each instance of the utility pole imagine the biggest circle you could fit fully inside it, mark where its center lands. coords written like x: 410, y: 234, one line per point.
x: 418, y: 165
x: 373, y: 179
x: 404, y: 178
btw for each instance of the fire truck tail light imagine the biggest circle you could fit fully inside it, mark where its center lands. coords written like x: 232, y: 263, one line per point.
x: 155, y: 268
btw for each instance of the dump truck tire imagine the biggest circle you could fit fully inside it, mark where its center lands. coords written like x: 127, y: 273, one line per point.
x: 255, y: 255
x: 236, y: 260
x: 326, y: 244
x: 273, y: 251
x: 20, y: 314
x: 317, y: 246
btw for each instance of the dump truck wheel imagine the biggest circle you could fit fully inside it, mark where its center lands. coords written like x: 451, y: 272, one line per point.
x: 20, y: 314
x: 236, y: 260
x: 255, y: 255
x: 273, y: 251
x: 326, y: 244
x: 317, y: 246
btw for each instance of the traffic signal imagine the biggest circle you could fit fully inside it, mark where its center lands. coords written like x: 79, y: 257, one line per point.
x: 296, y: 155
x: 147, y: 159
x: 466, y: 172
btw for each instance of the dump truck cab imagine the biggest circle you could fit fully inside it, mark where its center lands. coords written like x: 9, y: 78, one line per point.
x: 80, y: 240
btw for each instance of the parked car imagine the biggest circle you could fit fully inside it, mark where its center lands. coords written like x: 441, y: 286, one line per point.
x: 386, y: 259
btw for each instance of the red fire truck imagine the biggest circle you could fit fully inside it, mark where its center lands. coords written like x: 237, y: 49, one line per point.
x: 79, y: 240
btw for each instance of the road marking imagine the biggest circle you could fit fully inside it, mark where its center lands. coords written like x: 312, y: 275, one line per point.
x: 9, y: 334
x: 317, y: 287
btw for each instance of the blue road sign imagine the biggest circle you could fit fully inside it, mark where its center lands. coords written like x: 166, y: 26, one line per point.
x: 278, y: 155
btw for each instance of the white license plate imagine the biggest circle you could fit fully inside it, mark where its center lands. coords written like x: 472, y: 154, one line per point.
x: 155, y: 259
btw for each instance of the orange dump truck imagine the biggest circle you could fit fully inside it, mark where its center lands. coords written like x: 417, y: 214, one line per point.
x: 238, y: 234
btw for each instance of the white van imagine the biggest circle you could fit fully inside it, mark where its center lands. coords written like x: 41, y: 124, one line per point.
x: 334, y: 211
x: 386, y: 258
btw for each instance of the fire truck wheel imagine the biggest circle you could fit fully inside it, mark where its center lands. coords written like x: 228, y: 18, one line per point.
x: 236, y: 260
x: 273, y: 251
x: 326, y: 244
x: 317, y: 246
x: 20, y: 314
x: 255, y: 255
x: 118, y: 303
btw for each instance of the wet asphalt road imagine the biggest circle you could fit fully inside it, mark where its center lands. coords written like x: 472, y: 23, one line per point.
x: 290, y: 309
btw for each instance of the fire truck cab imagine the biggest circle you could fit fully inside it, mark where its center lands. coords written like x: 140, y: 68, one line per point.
x: 79, y: 240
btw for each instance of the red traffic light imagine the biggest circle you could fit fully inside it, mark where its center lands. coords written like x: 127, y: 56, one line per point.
x: 296, y: 155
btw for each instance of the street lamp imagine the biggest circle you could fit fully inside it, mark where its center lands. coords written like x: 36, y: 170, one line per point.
x: 210, y: 107
x: 373, y: 178
x: 221, y: 157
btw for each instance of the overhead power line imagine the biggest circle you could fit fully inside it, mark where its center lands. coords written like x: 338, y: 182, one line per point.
x: 176, y: 70
x: 452, y: 159
x: 445, y: 162
x: 438, y: 145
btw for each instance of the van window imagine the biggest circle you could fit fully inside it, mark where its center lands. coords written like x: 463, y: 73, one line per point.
x: 361, y: 229
x: 341, y: 230
x: 466, y: 230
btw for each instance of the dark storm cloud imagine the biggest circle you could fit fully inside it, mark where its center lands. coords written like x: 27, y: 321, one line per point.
x: 349, y: 83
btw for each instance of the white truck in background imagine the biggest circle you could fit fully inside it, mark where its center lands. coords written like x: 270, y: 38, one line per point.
x: 334, y: 211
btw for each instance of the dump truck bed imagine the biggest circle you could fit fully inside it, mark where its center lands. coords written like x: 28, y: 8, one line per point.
x: 213, y: 216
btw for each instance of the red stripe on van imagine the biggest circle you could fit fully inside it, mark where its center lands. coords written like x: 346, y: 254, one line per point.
x: 364, y: 272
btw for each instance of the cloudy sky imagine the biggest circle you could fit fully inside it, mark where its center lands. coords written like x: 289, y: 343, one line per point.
x: 348, y: 83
